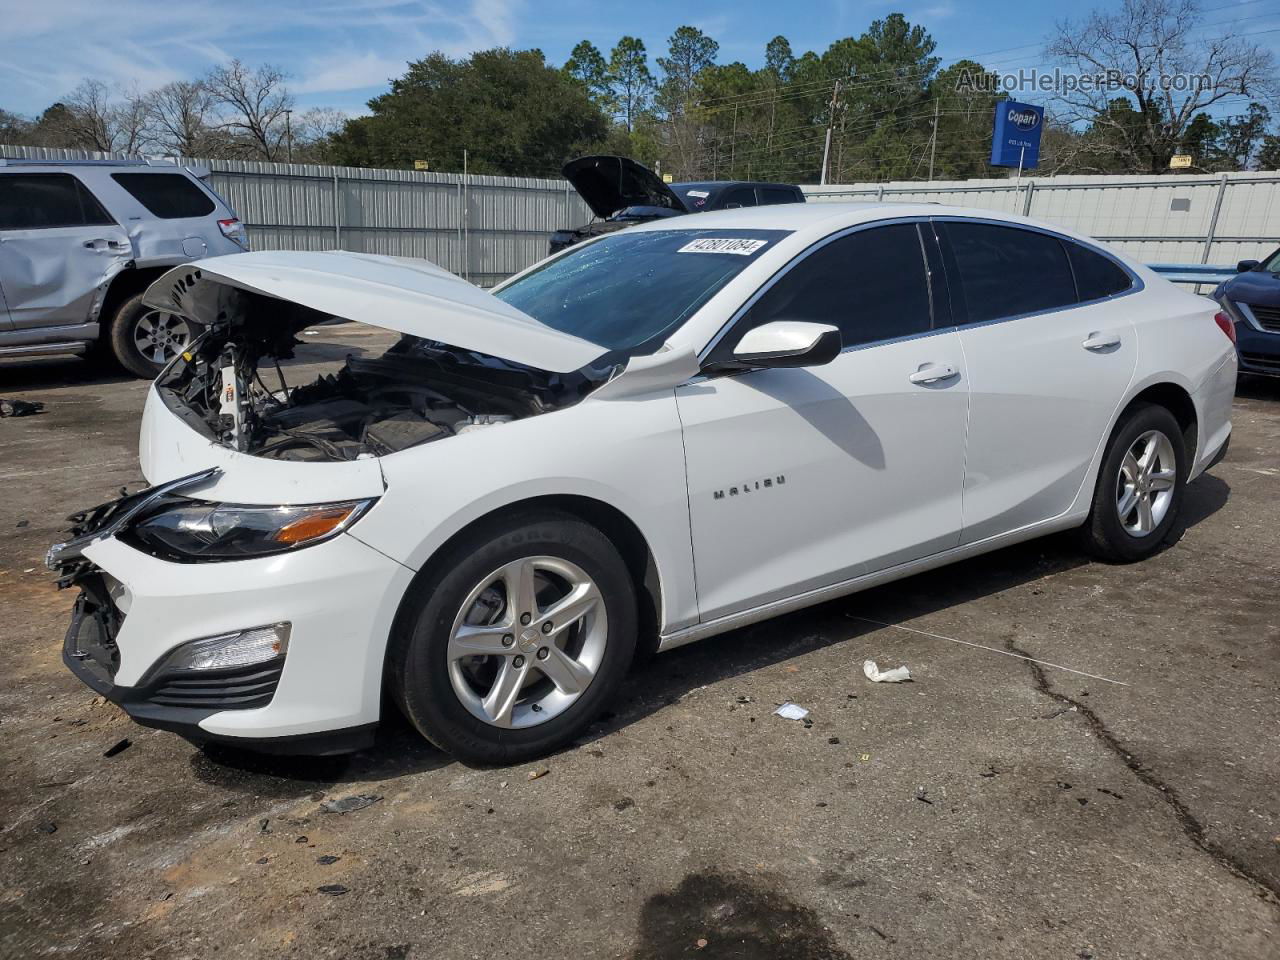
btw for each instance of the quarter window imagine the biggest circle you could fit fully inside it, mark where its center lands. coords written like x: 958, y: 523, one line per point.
x: 169, y: 196
x: 1007, y: 271
x: 871, y: 284
x: 1096, y: 276
x: 42, y: 201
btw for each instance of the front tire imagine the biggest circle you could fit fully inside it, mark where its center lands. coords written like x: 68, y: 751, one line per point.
x: 1140, y: 486
x: 517, y: 641
x: 143, y: 340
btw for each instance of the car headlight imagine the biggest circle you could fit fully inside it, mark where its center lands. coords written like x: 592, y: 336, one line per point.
x: 194, y: 530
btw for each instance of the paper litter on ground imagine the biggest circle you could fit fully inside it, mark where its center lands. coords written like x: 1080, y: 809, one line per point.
x: 876, y: 675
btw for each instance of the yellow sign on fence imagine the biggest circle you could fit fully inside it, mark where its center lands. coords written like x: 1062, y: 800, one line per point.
x: 421, y: 165
x: 1180, y: 161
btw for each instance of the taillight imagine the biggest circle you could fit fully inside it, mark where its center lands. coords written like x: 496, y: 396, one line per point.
x: 1225, y: 324
x: 234, y: 231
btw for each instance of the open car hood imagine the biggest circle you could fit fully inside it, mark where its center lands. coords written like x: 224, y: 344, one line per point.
x: 609, y: 184
x: 409, y: 296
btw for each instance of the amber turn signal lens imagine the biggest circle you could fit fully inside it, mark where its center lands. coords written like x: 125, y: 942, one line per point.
x: 313, y: 525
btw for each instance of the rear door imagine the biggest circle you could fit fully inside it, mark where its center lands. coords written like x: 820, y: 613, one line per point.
x: 1047, y: 367
x: 58, y: 249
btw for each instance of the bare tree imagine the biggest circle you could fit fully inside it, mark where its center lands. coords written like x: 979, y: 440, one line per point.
x: 1159, y: 70
x: 129, y: 122
x: 178, y: 117
x: 255, y: 102
x: 90, y: 116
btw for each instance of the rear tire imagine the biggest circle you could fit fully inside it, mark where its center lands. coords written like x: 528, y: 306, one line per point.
x: 1140, y: 486
x: 144, y: 340
x: 497, y: 705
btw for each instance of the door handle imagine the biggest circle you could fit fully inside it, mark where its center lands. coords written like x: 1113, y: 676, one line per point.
x: 1101, y: 341
x: 934, y: 373
x: 101, y: 245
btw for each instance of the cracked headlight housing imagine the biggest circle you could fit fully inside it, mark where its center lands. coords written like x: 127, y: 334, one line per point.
x: 193, y: 531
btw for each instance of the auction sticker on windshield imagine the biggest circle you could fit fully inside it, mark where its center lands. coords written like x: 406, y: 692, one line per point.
x: 737, y: 245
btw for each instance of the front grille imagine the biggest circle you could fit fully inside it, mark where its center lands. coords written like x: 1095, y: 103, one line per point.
x: 236, y: 688
x: 1268, y: 317
x: 1262, y: 361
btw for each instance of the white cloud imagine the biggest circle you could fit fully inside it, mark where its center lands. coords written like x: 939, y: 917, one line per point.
x: 328, y: 46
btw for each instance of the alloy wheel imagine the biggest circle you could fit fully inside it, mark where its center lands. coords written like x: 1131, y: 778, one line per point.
x: 160, y: 337
x: 1145, y: 484
x: 527, y: 642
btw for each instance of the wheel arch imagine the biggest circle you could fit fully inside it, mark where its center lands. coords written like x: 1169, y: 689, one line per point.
x: 1177, y: 400
x: 621, y: 530
x: 1165, y: 390
x: 124, y: 285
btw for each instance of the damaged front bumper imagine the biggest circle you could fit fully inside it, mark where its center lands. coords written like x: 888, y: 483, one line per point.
x: 333, y: 604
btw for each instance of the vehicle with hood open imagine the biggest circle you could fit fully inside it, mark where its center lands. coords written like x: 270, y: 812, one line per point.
x: 622, y: 193
x: 663, y: 434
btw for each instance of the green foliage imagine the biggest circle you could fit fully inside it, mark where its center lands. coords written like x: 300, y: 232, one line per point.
x: 509, y: 110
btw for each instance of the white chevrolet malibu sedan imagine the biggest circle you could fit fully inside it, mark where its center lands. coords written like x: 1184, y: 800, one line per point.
x: 654, y: 437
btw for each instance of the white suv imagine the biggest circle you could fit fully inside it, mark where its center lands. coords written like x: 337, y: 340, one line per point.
x: 81, y: 240
x: 656, y: 436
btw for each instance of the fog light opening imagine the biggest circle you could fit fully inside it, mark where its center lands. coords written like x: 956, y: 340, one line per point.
x: 240, y: 649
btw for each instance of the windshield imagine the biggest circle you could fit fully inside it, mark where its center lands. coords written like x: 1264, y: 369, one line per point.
x: 1272, y: 263
x: 629, y: 291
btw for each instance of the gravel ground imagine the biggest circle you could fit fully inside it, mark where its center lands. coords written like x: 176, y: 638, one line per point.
x: 992, y: 807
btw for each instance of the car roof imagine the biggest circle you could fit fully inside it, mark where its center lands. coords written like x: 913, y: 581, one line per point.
x: 722, y: 184
x: 825, y: 216
x: 157, y: 164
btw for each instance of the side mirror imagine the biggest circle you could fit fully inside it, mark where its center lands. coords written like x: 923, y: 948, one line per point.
x: 1245, y: 265
x: 788, y: 343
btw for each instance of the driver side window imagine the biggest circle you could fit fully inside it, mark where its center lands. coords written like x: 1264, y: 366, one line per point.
x: 871, y: 284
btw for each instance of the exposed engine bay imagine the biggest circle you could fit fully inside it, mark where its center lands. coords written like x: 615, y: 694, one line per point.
x: 229, y: 386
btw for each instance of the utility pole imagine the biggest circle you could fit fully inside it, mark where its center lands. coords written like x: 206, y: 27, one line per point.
x: 288, y: 132
x: 933, y: 141
x: 831, y: 122
x: 733, y: 141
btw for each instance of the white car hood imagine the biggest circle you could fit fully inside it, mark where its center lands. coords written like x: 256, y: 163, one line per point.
x: 402, y: 294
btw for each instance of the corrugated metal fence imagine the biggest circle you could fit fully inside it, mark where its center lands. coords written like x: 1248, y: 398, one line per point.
x: 484, y: 228
x: 1220, y: 218
x: 487, y: 228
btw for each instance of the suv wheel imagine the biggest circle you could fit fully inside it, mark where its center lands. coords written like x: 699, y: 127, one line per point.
x: 143, y: 340
x: 1139, y: 488
x: 518, y: 642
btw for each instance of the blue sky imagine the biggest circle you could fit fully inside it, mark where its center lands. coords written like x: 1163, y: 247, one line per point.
x: 341, y: 52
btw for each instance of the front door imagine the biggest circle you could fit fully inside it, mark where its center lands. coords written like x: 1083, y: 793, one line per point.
x: 58, y: 249
x: 800, y: 478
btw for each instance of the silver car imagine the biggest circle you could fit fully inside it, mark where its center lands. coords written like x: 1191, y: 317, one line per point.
x: 81, y: 240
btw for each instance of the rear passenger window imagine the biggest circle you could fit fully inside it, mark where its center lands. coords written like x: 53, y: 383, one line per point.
x: 871, y: 284
x: 1096, y: 276
x: 40, y: 201
x: 1007, y: 271
x: 739, y: 197
x: 770, y: 195
x: 169, y: 196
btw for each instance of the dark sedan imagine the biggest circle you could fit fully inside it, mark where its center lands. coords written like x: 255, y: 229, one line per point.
x: 1252, y: 299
